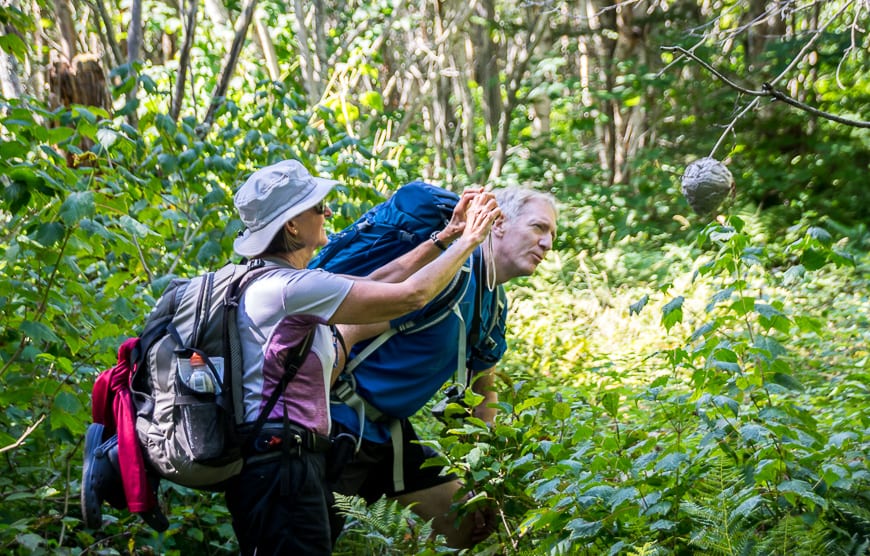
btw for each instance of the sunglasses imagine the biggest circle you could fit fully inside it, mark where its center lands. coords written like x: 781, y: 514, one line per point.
x: 320, y: 207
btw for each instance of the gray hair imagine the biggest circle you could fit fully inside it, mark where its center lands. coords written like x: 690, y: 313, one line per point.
x: 511, y: 200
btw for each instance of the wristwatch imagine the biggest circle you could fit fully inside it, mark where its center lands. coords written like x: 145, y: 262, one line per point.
x: 438, y: 243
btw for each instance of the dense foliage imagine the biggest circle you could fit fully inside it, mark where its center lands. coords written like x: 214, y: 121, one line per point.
x: 674, y: 384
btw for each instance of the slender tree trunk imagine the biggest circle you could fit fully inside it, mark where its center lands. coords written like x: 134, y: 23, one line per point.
x: 517, y: 62
x: 308, y: 61
x: 11, y: 85
x: 264, y: 39
x: 184, y: 60
x: 462, y: 91
x: 134, y: 46
x: 486, y: 68
x: 112, y: 42
x: 63, y: 12
x: 229, y: 66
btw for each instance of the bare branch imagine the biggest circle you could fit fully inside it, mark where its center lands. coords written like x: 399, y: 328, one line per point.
x: 767, y: 89
x: 24, y: 436
x: 779, y: 95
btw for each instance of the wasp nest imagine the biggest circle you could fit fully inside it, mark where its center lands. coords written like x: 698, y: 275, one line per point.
x: 705, y: 184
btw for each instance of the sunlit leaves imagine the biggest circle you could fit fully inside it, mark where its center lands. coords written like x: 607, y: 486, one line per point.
x: 672, y: 312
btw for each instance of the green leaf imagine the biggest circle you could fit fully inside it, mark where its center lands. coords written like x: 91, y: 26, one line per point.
x: 168, y: 162
x: 63, y: 419
x: 38, y: 332
x: 703, y: 330
x: 725, y: 401
x: 581, y: 528
x: 766, y: 310
x: 754, y: 433
x: 662, y: 525
x: 671, y: 462
x: 148, y: 84
x: 813, y: 259
x: 794, y: 275
x: 672, y: 312
x: 610, y: 403
x: 787, y: 381
x: 48, y: 234
x: 745, y: 508
x: 561, y: 411
x: 803, y: 490
x: 722, y: 234
x: 373, y: 100
x: 30, y: 541
x: 12, y: 43
x: 820, y: 234
x: 165, y: 124
x: 743, y: 305
x: 636, y: 307
x: 134, y: 227
x: 621, y: 496
x: 60, y: 134
x: 770, y: 345
x: 84, y: 113
x: 78, y: 205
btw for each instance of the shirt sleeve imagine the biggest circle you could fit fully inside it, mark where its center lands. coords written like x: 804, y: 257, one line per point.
x: 315, y: 292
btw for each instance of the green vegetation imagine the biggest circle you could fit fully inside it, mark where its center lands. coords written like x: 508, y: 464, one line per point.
x: 674, y: 384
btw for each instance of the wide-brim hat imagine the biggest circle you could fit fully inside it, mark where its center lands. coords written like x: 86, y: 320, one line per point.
x: 270, y: 197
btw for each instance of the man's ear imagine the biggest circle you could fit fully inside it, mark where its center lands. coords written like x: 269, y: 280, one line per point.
x: 498, y: 227
x: 290, y: 227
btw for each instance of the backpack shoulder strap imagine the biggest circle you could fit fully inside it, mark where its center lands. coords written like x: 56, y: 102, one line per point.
x: 232, y: 341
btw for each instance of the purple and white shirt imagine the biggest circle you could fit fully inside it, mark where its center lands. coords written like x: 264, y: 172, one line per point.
x: 276, y: 312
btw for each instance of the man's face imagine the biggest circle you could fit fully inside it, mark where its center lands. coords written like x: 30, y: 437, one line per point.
x: 521, y: 243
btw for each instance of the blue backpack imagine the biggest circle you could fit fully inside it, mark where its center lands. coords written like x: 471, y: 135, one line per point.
x: 385, y: 232
x: 388, y: 230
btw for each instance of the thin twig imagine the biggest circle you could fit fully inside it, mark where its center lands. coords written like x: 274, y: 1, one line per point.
x: 24, y: 436
x: 767, y: 90
x: 779, y: 95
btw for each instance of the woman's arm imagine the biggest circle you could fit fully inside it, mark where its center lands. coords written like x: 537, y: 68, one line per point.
x: 372, y: 301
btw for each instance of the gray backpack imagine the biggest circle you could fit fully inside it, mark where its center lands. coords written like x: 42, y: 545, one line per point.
x: 187, y: 379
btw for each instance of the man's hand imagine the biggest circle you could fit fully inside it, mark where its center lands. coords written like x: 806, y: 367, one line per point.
x: 456, y: 225
x: 480, y: 214
x: 484, y: 523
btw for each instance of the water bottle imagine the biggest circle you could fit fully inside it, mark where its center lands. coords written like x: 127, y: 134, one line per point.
x: 201, y: 378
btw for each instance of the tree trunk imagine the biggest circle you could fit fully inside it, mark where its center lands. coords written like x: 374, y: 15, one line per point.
x: 111, y: 40
x: 518, y: 57
x: 184, y: 60
x: 67, y: 39
x: 11, y: 85
x: 264, y: 40
x: 486, y: 68
x: 229, y: 67
x: 308, y: 61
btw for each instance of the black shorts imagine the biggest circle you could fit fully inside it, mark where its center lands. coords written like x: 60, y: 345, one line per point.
x: 370, y: 473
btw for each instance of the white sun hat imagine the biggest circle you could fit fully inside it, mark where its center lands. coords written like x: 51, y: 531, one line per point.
x: 272, y: 196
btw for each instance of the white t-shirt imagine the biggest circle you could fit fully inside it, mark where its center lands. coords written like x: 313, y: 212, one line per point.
x: 276, y: 312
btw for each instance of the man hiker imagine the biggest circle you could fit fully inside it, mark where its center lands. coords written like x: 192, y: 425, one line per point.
x: 399, y: 377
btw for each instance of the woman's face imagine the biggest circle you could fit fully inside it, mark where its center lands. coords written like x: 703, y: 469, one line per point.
x: 310, y: 225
